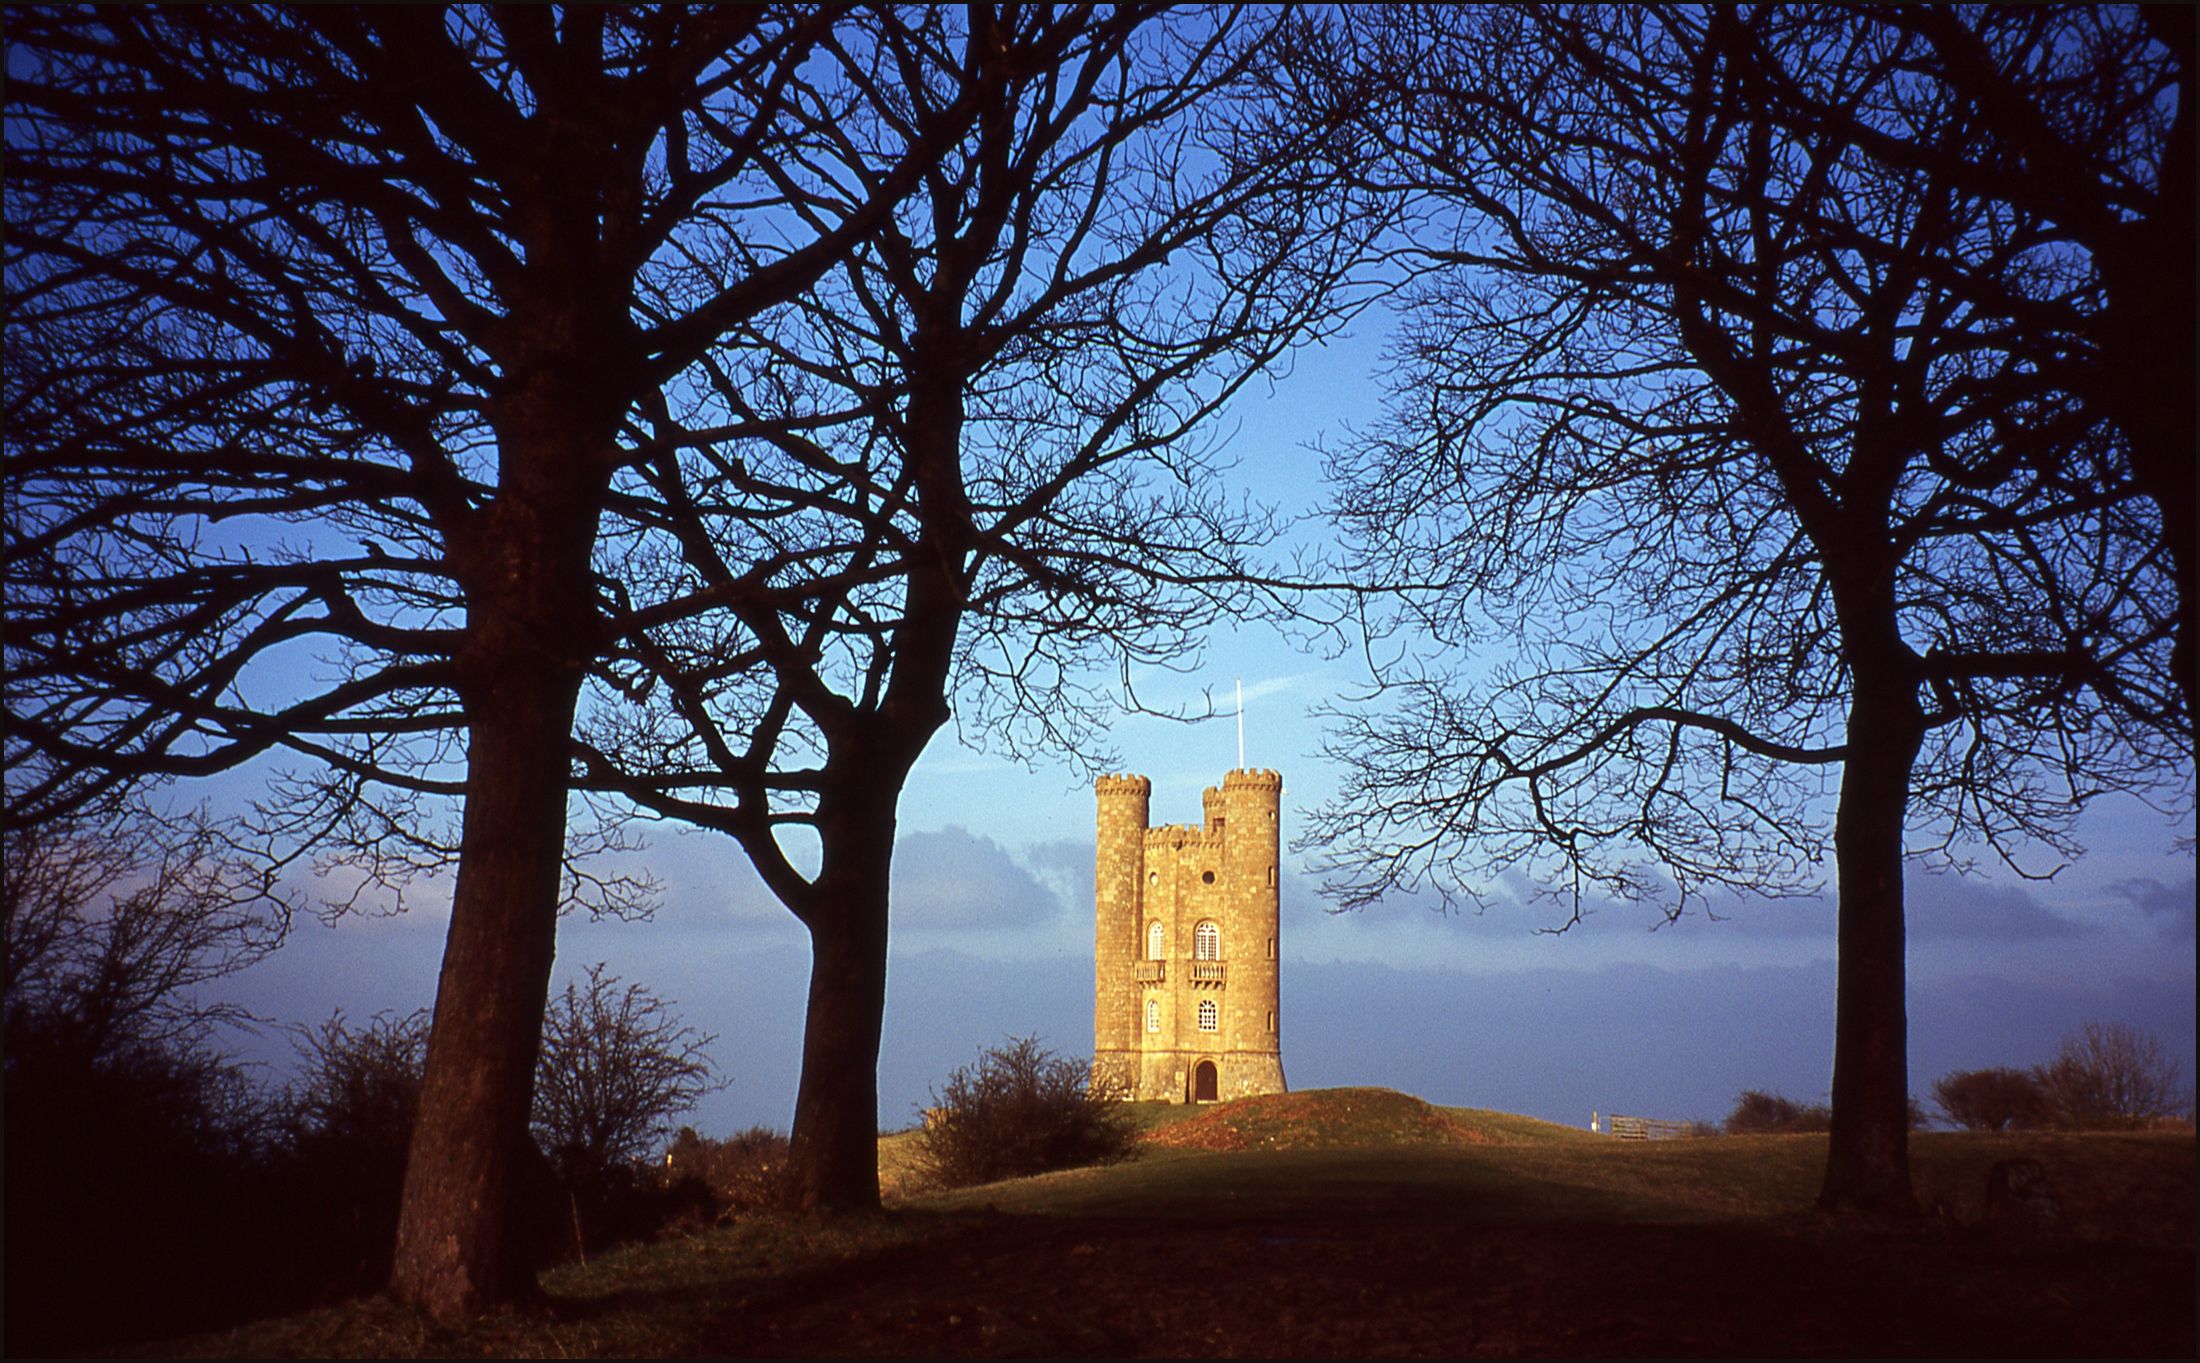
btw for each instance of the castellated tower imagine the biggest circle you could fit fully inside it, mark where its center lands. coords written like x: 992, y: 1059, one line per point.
x: 1185, y: 1004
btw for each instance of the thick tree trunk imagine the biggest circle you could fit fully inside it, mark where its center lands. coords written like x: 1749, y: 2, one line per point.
x: 524, y: 560
x: 2148, y: 354
x: 1868, y: 1156
x: 2150, y: 346
x: 456, y: 1238
x: 834, y: 1150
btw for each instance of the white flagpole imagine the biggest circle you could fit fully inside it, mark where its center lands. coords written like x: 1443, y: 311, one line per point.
x: 1241, y: 722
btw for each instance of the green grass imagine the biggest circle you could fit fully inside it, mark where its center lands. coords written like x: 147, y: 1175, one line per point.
x: 1374, y: 1175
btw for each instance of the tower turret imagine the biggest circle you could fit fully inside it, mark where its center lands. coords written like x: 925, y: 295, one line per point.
x: 1118, y: 871
x: 1251, y: 805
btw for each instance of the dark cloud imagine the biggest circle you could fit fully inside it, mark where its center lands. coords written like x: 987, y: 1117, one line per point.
x: 1939, y: 907
x: 1065, y: 865
x: 957, y: 879
x: 1954, y: 907
x: 2168, y: 907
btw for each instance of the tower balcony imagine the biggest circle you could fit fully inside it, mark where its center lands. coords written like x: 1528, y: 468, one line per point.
x: 1150, y: 972
x: 1210, y: 972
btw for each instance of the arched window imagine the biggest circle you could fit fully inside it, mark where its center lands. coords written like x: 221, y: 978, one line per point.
x: 1210, y: 1017
x: 1153, y: 1015
x: 1155, y: 941
x: 1207, y: 941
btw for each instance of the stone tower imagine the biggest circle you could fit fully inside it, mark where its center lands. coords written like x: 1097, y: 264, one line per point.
x: 1184, y: 1002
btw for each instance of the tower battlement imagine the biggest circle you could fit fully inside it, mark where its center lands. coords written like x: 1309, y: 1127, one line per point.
x: 1182, y: 835
x: 1204, y: 895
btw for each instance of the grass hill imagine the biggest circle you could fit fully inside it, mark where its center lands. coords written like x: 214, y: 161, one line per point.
x: 1368, y: 1222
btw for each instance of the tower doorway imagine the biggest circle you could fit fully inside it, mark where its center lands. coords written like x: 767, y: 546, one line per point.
x: 1205, y: 1088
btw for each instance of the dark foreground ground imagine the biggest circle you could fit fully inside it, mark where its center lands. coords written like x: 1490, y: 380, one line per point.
x: 1409, y: 1276
x: 1365, y: 1223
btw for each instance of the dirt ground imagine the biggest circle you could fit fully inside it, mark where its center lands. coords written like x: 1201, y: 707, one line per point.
x: 1416, y: 1278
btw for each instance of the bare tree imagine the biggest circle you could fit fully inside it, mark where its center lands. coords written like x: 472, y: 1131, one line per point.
x: 114, y: 926
x: 617, y: 1066
x: 2111, y: 1074
x: 1697, y: 431
x: 2080, y: 116
x: 967, y: 474
x: 330, y: 334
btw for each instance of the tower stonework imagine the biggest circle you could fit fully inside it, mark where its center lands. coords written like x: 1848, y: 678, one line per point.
x: 1185, y: 949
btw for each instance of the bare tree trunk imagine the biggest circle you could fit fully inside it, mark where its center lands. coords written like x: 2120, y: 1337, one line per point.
x: 834, y: 1149
x: 2148, y: 355
x: 456, y: 1250
x: 530, y: 631
x: 2149, y: 344
x: 1868, y: 1156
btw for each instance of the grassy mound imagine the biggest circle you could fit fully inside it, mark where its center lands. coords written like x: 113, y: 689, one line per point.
x: 1333, y: 1119
x: 1363, y: 1222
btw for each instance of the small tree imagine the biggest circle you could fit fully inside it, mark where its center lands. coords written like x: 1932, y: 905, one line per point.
x: 2110, y: 1074
x: 1998, y: 1099
x: 1021, y: 1110
x: 1757, y: 1113
x: 616, y: 1067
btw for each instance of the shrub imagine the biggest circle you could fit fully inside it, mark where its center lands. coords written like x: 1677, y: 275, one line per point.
x: 617, y: 1065
x: 1757, y: 1112
x: 744, y: 1172
x: 1998, y: 1099
x: 1019, y: 1110
x: 2109, y: 1075
x: 345, y: 1130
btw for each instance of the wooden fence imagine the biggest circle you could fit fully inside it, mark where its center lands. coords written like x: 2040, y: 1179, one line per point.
x: 1646, y: 1128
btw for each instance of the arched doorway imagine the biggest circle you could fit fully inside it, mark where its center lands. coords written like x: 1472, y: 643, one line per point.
x: 1205, y: 1088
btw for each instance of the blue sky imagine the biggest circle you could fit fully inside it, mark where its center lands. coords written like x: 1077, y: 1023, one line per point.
x: 993, y: 934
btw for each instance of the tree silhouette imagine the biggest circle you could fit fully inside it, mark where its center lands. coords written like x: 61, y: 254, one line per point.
x: 617, y: 1066
x: 331, y: 336
x: 2111, y: 1074
x: 132, y: 1135
x: 1696, y: 420
x: 2080, y: 116
x: 966, y: 472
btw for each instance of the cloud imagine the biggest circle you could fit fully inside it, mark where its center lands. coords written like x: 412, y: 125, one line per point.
x: 958, y: 879
x: 1065, y: 866
x: 2168, y: 907
x: 1271, y: 686
x: 1959, y: 908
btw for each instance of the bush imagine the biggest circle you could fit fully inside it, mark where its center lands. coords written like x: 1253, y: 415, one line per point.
x: 1998, y: 1099
x: 1757, y: 1112
x: 1020, y: 1110
x: 745, y: 1172
x: 2111, y: 1075
x: 616, y: 1066
x: 345, y: 1131
x: 134, y: 1142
